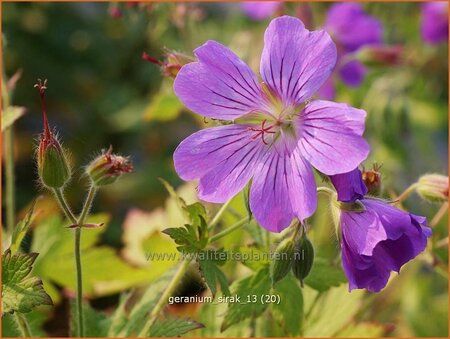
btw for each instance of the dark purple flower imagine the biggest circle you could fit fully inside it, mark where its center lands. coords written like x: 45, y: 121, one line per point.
x: 351, y: 28
x: 275, y: 136
x: 434, y: 22
x: 349, y: 186
x: 260, y: 10
x: 378, y: 239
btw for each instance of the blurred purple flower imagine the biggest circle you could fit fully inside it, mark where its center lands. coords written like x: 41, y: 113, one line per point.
x: 275, y: 137
x: 434, y: 22
x: 260, y: 10
x: 379, y: 239
x: 351, y: 28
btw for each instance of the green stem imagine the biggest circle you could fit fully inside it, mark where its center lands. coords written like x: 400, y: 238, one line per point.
x: 328, y: 191
x: 219, y: 214
x: 313, y: 305
x: 9, y: 178
x: 81, y: 220
x: 23, y: 325
x: 165, y: 297
x: 439, y: 215
x: 64, y: 205
x: 406, y: 193
x: 228, y: 230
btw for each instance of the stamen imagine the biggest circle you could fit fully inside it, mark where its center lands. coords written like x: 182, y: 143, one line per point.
x: 261, y: 131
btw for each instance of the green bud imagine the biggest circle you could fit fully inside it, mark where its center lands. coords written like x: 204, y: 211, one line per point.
x: 282, y: 260
x: 107, y: 168
x: 303, y: 259
x: 52, y: 162
x: 433, y: 187
x: 53, y: 166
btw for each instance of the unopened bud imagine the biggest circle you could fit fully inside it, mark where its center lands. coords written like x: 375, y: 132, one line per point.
x: 303, y: 258
x: 372, y: 180
x: 52, y: 162
x: 171, y: 64
x: 282, y: 261
x: 107, y: 168
x: 433, y: 187
x: 380, y: 55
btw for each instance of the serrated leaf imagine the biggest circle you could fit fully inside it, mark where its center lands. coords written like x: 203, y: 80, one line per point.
x: 96, y: 323
x: 257, y: 284
x: 10, y: 116
x: 209, y: 262
x: 289, y: 312
x: 323, y: 275
x: 20, y: 291
x: 186, y: 238
x: 21, y: 229
x: 172, y: 327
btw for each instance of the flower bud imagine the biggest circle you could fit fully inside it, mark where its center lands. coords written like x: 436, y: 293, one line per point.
x: 282, y: 261
x: 107, y: 168
x: 380, y: 55
x: 52, y: 162
x: 372, y: 180
x: 172, y: 63
x: 433, y: 187
x: 303, y: 258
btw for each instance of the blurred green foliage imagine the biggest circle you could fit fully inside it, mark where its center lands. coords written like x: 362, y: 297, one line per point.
x: 101, y: 93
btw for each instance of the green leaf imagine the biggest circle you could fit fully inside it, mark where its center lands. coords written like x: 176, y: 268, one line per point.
x: 325, y: 320
x: 172, y: 327
x: 35, y: 321
x: 209, y: 262
x: 133, y: 310
x: 257, y: 284
x: 10, y: 116
x: 21, y: 229
x: 186, y: 238
x: 323, y: 275
x: 164, y: 107
x: 254, y: 258
x: 96, y: 323
x: 363, y: 330
x: 21, y: 292
x: 289, y: 312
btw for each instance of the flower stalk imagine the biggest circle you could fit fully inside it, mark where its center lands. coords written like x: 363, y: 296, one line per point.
x: 22, y: 325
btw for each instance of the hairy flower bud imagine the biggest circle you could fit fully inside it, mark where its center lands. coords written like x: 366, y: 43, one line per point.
x: 303, y: 258
x: 172, y: 63
x: 52, y: 162
x: 107, y: 168
x: 433, y: 187
x: 282, y: 261
x: 372, y: 180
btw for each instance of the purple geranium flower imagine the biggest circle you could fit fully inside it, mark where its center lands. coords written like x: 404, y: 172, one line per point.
x: 351, y: 28
x: 377, y: 240
x: 434, y: 22
x: 260, y: 10
x: 275, y: 136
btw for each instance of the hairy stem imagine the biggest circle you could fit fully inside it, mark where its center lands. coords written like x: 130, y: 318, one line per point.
x: 22, y: 324
x: 406, y: 193
x: 9, y: 178
x: 219, y: 215
x: 59, y: 195
x: 439, y: 215
x: 165, y: 297
x: 229, y: 230
x: 81, y: 220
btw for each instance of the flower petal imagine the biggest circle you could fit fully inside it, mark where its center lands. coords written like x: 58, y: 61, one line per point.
x: 362, y: 231
x: 296, y: 62
x: 352, y: 73
x: 331, y: 136
x: 219, y: 85
x: 283, y: 187
x: 349, y: 186
x: 203, y: 151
